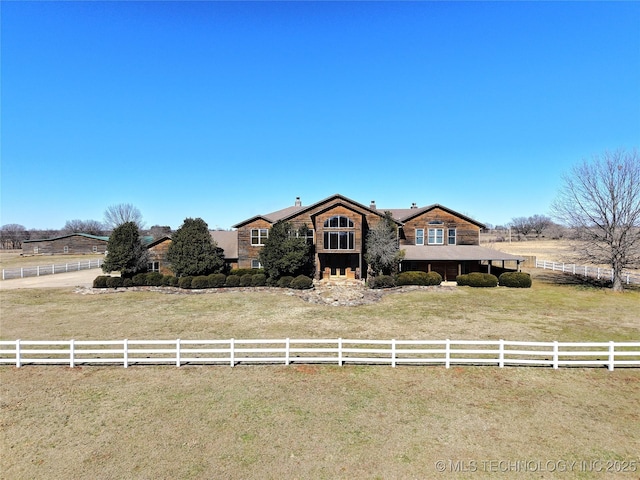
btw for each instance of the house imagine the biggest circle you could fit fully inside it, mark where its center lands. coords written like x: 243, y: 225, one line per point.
x: 73, y: 243
x: 434, y: 238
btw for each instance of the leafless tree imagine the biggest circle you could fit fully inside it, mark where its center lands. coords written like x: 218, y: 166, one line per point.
x: 92, y: 227
x: 600, y: 199
x: 521, y: 226
x: 539, y: 223
x: 12, y: 236
x: 116, y: 215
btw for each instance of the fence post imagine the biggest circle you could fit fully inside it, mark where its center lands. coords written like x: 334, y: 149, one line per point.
x: 21, y: 272
x: 286, y: 351
x: 501, y: 354
x: 38, y: 271
x: 447, y: 353
x: 125, y: 348
x: 393, y: 352
x: 18, y: 359
x: 555, y: 354
x: 71, y: 353
x: 231, y: 352
x: 340, y: 351
x: 177, y: 352
x: 612, y: 355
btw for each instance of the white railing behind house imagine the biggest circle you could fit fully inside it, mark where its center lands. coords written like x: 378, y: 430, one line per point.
x: 10, y: 273
x: 339, y: 351
x: 586, y: 271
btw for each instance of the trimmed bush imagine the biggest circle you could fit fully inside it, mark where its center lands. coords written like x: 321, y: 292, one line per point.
x: 139, y: 279
x: 185, y: 282
x: 232, y: 281
x: 169, y: 281
x: 246, y: 271
x: 381, y: 281
x: 127, y: 282
x: 285, y: 282
x: 245, y: 280
x: 100, y: 281
x: 258, y: 280
x: 216, y: 280
x: 115, y: 282
x: 418, y: 278
x: 272, y: 282
x: 301, y: 282
x: 515, y: 280
x: 200, y: 282
x: 477, y: 279
x: 154, y: 279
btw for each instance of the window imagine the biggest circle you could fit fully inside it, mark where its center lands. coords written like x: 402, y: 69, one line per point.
x: 419, y: 236
x: 436, y: 236
x: 35, y: 249
x: 65, y: 249
x: 338, y: 221
x: 338, y: 240
x: 259, y: 236
x: 95, y: 249
x: 153, y: 266
x: 451, y: 240
x: 256, y: 264
x: 298, y: 234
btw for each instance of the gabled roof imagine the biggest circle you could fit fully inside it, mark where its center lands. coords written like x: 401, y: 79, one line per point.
x: 405, y: 214
x: 155, y: 242
x: 93, y: 237
x: 290, y: 212
x: 226, y: 240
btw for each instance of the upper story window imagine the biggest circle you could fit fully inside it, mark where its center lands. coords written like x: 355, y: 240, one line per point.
x: 451, y: 236
x: 419, y: 236
x: 259, y: 236
x: 300, y: 234
x: 436, y: 236
x: 338, y: 221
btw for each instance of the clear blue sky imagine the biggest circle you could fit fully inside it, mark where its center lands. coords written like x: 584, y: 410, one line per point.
x: 227, y: 110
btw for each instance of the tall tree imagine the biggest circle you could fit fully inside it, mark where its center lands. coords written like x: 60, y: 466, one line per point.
x: 539, y: 223
x: 125, y: 252
x: 192, y: 250
x: 92, y: 227
x: 383, y: 253
x: 600, y: 199
x: 12, y: 236
x: 287, y: 252
x: 116, y: 215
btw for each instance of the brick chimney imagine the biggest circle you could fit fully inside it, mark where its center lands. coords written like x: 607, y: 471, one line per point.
x: 373, y: 205
x: 298, y: 202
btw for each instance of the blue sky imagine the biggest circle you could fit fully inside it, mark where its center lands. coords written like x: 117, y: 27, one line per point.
x: 227, y: 110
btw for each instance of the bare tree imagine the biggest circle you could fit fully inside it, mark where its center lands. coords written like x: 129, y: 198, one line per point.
x: 521, y: 226
x: 12, y: 236
x: 600, y: 199
x: 92, y: 227
x: 116, y: 215
x: 539, y: 223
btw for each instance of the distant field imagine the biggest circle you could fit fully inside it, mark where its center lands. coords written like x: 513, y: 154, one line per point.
x: 310, y: 421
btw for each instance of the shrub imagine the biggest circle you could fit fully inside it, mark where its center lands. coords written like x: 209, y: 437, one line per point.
x: 419, y: 278
x: 127, y: 282
x: 246, y: 271
x: 285, y: 282
x: 114, y: 282
x: 477, y: 279
x: 232, y: 281
x: 381, y: 281
x: 139, y: 279
x: 185, y: 282
x: 216, y: 280
x: 100, y: 281
x: 245, y: 280
x: 272, y: 282
x: 169, y: 281
x: 154, y: 279
x: 301, y: 282
x: 515, y: 280
x: 200, y: 282
x: 258, y: 280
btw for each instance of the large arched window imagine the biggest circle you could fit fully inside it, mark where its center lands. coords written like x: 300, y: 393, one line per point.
x: 339, y: 239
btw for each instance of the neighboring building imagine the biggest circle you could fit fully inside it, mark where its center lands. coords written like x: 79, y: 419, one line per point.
x: 73, y: 243
x: 228, y: 241
x: 157, y: 255
x: 434, y: 238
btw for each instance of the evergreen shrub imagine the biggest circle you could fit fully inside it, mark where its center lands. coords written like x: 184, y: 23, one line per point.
x: 154, y: 279
x: 301, y: 282
x: 477, y: 279
x: 216, y: 280
x: 418, y: 278
x: 139, y: 279
x: 515, y: 280
x: 245, y: 280
x: 115, y: 282
x: 199, y: 282
x: 127, y: 282
x: 100, y: 281
x: 285, y: 282
x: 232, y: 281
x: 185, y: 282
x: 258, y: 280
x: 381, y: 281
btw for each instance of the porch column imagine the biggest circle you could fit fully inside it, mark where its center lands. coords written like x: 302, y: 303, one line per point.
x: 489, y: 266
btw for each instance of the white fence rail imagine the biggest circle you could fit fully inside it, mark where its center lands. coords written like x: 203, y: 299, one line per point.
x: 10, y: 273
x: 339, y: 351
x: 586, y: 271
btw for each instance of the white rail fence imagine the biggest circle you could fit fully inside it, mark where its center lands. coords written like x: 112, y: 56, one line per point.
x: 339, y: 351
x: 10, y: 273
x: 586, y: 271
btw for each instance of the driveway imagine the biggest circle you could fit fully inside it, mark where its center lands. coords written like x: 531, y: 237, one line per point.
x: 83, y: 278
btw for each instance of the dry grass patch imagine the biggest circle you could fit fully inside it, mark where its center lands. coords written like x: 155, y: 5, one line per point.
x: 14, y: 259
